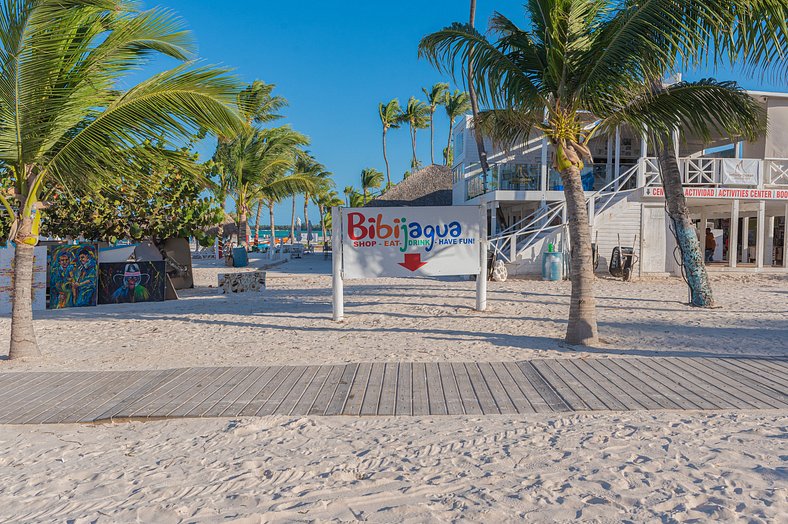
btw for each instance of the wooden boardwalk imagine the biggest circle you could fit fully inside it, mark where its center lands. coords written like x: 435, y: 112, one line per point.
x: 402, y: 389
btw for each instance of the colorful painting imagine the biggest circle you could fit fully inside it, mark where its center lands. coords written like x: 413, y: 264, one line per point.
x: 123, y: 282
x: 73, y: 276
x: 39, y: 287
x: 242, y: 282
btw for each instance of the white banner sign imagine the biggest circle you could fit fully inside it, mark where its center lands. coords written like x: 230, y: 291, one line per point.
x: 740, y: 171
x: 723, y: 192
x: 411, y: 241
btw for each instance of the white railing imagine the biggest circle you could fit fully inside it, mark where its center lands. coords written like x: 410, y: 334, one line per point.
x: 716, y: 172
x: 507, y: 244
x: 775, y: 172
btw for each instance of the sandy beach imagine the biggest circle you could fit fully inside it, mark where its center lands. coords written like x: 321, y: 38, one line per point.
x: 419, y: 320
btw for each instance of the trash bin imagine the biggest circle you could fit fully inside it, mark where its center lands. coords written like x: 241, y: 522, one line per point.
x: 240, y: 258
x: 552, y: 264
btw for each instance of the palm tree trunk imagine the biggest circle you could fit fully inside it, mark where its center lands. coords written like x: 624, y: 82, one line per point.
x: 582, y: 327
x: 386, y: 160
x: 292, y: 222
x: 323, y: 221
x: 23, y: 336
x: 257, y: 224
x: 475, y: 105
x: 414, y: 161
x: 686, y: 237
x: 432, y: 138
x: 306, y: 210
x: 273, y: 230
x: 365, y: 196
x: 243, y: 220
x: 448, y: 144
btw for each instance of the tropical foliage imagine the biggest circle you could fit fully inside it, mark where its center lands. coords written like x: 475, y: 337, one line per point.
x: 65, y: 121
x: 436, y: 95
x: 456, y: 104
x: 370, y: 179
x: 416, y: 114
x: 390, y: 117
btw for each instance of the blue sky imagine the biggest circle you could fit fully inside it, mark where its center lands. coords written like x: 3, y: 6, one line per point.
x: 334, y: 62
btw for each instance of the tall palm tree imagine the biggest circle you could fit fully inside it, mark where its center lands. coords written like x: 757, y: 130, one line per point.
x: 64, y: 120
x: 477, y: 135
x: 416, y: 114
x: 370, y: 179
x: 436, y: 96
x: 325, y: 200
x: 320, y: 177
x: 390, y: 117
x: 580, y: 64
x: 349, y: 190
x: 456, y: 104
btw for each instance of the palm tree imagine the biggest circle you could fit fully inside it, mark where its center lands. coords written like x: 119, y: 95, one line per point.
x: 370, y: 179
x: 586, y: 85
x: 390, y: 117
x: 436, y: 96
x: 320, y: 177
x: 349, y: 190
x: 456, y: 104
x: 477, y: 135
x: 325, y: 200
x: 64, y: 120
x: 416, y: 115
x: 356, y: 199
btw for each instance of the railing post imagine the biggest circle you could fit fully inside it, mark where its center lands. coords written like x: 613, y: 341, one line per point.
x: 641, y: 172
x: 591, y: 215
x: 512, y: 247
x: 761, y: 173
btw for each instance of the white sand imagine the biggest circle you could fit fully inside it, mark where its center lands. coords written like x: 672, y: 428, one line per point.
x: 634, y: 467
x: 404, y: 320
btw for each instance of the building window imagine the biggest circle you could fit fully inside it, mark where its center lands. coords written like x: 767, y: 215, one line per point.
x: 458, y: 144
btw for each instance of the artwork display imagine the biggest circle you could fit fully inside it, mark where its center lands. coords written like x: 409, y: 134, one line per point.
x: 242, y: 282
x: 39, y: 287
x: 73, y: 276
x: 122, y: 282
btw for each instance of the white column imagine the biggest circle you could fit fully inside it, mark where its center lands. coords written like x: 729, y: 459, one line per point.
x: 745, y: 240
x: 617, y: 169
x: 768, y: 255
x: 609, y: 163
x: 493, y: 218
x: 591, y: 216
x: 733, y: 237
x: 338, y: 298
x: 760, y: 234
x: 543, y: 170
x: 481, y: 278
x: 703, y: 219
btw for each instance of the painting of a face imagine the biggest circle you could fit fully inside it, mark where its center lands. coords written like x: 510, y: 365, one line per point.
x: 63, y: 261
x: 73, y: 276
x: 83, y: 258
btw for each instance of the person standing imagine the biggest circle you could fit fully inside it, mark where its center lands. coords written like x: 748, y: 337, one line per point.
x: 711, y: 245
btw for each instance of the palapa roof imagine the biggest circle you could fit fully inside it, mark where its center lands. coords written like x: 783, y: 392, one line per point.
x: 431, y: 186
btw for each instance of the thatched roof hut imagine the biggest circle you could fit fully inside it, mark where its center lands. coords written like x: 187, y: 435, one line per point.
x: 430, y: 186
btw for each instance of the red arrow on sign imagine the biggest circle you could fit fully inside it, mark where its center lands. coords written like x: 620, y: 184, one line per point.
x: 412, y: 262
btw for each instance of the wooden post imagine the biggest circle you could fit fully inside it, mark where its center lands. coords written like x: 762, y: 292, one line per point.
x: 733, y: 237
x: 481, y: 279
x: 336, y: 255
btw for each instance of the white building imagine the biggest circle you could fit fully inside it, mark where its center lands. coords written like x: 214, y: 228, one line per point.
x: 738, y: 189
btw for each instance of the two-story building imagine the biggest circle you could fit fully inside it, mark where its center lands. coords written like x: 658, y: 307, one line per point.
x: 737, y: 189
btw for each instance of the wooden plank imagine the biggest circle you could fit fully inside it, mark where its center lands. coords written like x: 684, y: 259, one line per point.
x: 451, y: 391
x: 182, y: 388
x: 768, y: 365
x: 78, y: 396
x: 29, y: 389
x: 764, y: 382
x: 712, y: 386
x: 663, y: 399
x: 143, y: 391
x: 520, y: 400
x: 306, y: 401
x: 503, y: 401
x: 247, y: 391
x: 338, y: 400
x: 735, y: 381
x: 46, y: 404
x: 613, y: 398
x: 435, y: 389
x: 238, y: 382
x: 120, y: 391
x: 214, y: 386
x: 10, y: 381
x: 265, y: 392
x: 280, y: 393
x: 323, y: 397
x: 388, y: 392
x: 628, y: 390
x: 358, y: 390
x: 47, y: 392
x: 690, y: 382
x: 470, y: 401
x: 297, y: 391
x: 558, y: 388
x: 404, y: 389
x: 369, y: 405
x: 421, y: 399
x: 104, y: 388
x: 768, y: 379
x: 482, y: 389
x: 685, y: 397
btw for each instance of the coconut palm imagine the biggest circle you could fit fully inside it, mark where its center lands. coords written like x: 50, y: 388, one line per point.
x: 390, y: 117
x: 477, y: 135
x: 456, y: 104
x: 581, y: 65
x: 436, y: 96
x: 64, y: 120
x: 320, y: 177
x: 349, y: 190
x: 416, y: 114
x: 325, y: 201
x: 370, y: 179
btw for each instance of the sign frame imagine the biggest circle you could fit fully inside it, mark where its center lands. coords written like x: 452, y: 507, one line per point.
x: 338, y: 272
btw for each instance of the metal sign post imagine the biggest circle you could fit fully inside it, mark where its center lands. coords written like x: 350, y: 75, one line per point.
x: 408, y: 242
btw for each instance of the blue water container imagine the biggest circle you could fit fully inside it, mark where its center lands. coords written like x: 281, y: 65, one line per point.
x: 240, y: 258
x: 552, y: 265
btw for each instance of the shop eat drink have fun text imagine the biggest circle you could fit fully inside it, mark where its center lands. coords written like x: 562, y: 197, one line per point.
x: 365, y: 232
